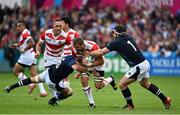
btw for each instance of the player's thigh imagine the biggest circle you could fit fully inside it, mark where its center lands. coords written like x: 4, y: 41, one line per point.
x: 33, y: 70
x: 67, y: 91
x: 98, y: 80
x: 18, y: 68
x: 144, y: 70
x: 125, y: 81
x: 84, y: 78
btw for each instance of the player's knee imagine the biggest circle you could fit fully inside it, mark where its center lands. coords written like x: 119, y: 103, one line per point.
x: 33, y: 73
x: 122, y: 85
x: 69, y: 92
x: 145, y: 85
x: 99, y: 85
x: 17, y: 72
x: 35, y: 79
x: 84, y: 80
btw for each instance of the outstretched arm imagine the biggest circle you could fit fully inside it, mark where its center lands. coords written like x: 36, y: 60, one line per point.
x: 79, y: 68
x: 99, y: 52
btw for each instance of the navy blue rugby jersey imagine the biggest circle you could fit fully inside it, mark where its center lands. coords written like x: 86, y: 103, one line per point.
x: 127, y: 49
x: 62, y: 69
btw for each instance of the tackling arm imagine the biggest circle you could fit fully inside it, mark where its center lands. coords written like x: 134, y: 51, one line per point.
x: 79, y: 68
x: 99, y: 52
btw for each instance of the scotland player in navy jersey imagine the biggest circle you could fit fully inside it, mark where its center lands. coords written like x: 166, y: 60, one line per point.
x: 139, y: 66
x: 52, y: 78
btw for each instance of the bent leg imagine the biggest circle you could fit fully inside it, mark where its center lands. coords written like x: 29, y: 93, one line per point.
x: 22, y: 83
x: 86, y: 88
x: 123, y: 84
x: 19, y: 71
x: 156, y: 91
x: 33, y: 71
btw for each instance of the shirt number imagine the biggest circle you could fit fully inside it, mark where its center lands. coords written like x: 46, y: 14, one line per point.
x: 128, y: 42
x: 59, y: 63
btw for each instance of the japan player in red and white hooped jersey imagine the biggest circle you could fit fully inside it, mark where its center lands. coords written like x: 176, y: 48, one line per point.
x: 53, y: 46
x: 81, y: 47
x: 71, y: 33
x: 27, y: 57
x: 55, y: 39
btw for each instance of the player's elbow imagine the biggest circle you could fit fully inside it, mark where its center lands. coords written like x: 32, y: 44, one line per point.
x: 101, y: 62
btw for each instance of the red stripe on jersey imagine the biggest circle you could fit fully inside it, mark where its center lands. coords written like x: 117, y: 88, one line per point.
x: 68, y: 40
x: 67, y: 48
x: 76, y: 35
x: 67, y: 53
x: 73, y: 52
x: 52, y: 46
x: 24, y: 37
x: 59, y: 37
x: 42, y: 37
x: 53, y: 52
x: 94, y: 46
x: 53, y: 55
x: 49, y: 35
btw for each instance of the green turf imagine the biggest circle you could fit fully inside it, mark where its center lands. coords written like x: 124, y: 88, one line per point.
x: 107, y: 100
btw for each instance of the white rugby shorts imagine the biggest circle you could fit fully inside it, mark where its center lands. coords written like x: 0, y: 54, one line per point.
x: 44, y: 76
x: 144, y: 71
x: 27, y: 59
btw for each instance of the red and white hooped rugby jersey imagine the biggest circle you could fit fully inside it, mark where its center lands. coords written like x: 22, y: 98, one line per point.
x: 54, y: 45
x: 71, y: 34
x: 91, y: 46
x: 24, y: 37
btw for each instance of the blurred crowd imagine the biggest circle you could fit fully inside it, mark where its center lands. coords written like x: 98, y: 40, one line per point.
x: 156, y: 31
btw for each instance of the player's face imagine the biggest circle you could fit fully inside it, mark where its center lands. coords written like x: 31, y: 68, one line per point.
x: 57, y: 28
x: 20, y: 27
x: 63, y: 25
x: 113, y: 34
x: 80, y: 49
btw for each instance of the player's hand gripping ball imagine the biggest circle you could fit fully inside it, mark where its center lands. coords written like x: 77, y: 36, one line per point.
x: 88, y: 61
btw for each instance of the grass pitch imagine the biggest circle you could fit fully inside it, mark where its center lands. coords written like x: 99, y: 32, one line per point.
x: 107, y: 100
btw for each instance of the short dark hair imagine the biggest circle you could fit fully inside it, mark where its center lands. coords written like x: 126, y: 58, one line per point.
x: 120, y: 29
x: 78, y: 40
x: 66, y: 20
x: 57, y: 20
x: 21, y: 21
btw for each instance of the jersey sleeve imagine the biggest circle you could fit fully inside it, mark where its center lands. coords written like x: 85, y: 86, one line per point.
x: 42, y: 36
x: 76, y: 35
x: 68, y: 41
x: 26, y: 35
x: 73, y: 51
x: 112, y: 46
x: 95, y: 47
